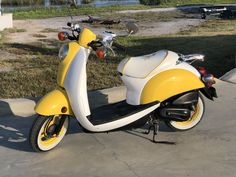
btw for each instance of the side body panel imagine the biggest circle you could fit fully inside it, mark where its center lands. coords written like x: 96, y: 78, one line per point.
x: 135, y: 86
x: 86, y: 37
x: 76, y: 87
x: 169, y: 83
x: 74, y: 47
x: 53, y: 102
x: 76, y: 83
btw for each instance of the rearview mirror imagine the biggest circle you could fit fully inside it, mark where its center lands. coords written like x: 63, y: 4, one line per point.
x: 132, y: 28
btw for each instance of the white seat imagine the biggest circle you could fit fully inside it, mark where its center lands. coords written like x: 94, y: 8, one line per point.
x: 142, y: 66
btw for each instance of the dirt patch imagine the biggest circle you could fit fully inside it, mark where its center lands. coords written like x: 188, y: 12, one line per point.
x: 50, y: 27
x: 5, y: 69
x: 6, y: 55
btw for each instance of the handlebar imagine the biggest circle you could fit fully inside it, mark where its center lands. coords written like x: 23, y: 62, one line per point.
x: 105, y: 43
x: 74, y: 27
x: 191, y: 58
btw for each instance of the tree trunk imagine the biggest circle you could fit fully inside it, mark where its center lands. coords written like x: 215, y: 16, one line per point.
x: 47, y: 3
x: 76, y: 2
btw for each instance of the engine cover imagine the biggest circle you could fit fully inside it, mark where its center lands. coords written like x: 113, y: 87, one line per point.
x: 175, y: 114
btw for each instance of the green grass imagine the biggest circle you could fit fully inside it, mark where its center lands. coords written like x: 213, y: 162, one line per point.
x: 39, y: 13
x: 35, y: 77
x: 3, y: 34
x: 35, y: 66
x: 1, y: 37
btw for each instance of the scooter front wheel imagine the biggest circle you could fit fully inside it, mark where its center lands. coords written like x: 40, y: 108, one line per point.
x: 192, y: 121
x: 48, y: 131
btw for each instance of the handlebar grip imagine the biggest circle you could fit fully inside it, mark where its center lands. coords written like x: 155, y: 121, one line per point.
x: 69, y: 24
x: 72, y: 38
x: 95, y: 44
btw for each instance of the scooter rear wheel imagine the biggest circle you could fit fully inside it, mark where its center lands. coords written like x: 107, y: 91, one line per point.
x: 193, y: 121
x: 43, y: 136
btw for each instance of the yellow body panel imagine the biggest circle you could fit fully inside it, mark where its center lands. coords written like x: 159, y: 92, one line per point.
x: 86, y: 37
x: 52, y: 104
x: 169, y: 83
x: 74, y: 47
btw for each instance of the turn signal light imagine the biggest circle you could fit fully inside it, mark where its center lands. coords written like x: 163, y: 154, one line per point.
x: 62, y: 36
x: 100, y: 54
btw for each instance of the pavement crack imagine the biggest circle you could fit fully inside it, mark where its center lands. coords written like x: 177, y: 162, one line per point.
x: 115, y: 156
x: 98, y: 141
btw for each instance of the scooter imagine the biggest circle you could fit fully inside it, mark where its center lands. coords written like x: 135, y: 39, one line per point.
x: 162, y: 86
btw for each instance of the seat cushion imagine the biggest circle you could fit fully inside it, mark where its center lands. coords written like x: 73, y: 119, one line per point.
x: 142, y: 66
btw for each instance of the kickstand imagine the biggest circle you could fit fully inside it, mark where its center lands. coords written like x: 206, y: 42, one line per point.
x: 154, y: 124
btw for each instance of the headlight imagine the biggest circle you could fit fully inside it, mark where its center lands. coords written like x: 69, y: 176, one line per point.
x: 63, y: 52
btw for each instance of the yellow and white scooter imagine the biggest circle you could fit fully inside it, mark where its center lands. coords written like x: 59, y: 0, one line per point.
x: 162, y: 85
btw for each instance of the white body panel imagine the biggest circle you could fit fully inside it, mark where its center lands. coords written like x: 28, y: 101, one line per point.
x: 76, y: 88
x: 135, y: 85
x: 141, y: 67
x: 76, y: 85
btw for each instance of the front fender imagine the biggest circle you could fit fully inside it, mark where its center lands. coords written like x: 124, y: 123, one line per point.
x: 54, y: 103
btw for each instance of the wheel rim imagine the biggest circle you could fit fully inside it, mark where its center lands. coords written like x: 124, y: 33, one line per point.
x: 51, y: 142
x: 193, y: 120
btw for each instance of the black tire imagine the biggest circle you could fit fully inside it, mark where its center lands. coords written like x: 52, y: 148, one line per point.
x: 35, y: 131
x: 174, y: 125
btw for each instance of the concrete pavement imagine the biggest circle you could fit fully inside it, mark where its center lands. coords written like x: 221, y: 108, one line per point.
x: 207, y: 150
x: 230, y: 76
x: 25, y: 106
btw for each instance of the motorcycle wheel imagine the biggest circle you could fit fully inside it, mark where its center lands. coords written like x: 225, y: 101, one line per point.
x: 193, y: 121
x: 42, y: 137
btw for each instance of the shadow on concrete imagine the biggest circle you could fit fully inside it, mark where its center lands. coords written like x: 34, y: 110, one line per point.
x: 141, y: 132
x: 14, y: 130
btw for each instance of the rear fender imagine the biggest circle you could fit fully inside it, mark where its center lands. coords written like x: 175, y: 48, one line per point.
x: 168, y: 84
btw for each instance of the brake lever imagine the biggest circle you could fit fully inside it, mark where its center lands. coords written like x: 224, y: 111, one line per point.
x: 67, y: 28
x: 113, y: 52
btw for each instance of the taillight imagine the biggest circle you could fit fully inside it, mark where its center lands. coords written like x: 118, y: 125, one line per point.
x: 202, y: 71
x: 208, y: 79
